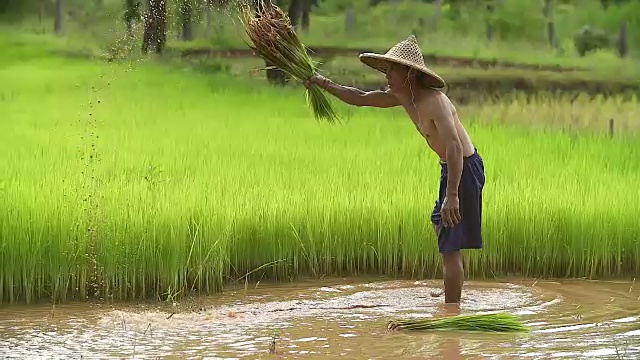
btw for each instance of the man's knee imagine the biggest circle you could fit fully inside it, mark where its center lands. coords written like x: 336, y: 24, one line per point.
x: 452, y: 259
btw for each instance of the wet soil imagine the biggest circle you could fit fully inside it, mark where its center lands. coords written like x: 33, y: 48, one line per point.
x: 336, y: 318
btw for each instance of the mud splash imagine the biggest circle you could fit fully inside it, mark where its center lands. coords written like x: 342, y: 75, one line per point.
x: 335, y: 318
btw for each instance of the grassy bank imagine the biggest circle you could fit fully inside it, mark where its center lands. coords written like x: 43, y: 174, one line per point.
x: 99, y: 32
x: 463, y: 83
x: 133, y: 180
x: 519, y: 30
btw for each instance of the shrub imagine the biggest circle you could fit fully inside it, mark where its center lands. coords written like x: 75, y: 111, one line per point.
x: 588, y: 39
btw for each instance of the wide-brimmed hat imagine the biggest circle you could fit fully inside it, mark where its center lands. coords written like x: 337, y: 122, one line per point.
x: 406, y: 52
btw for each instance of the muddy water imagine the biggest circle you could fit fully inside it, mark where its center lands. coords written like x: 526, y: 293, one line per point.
x: 329, y: 319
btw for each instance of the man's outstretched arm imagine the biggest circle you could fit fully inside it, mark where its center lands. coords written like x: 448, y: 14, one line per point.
x: 355, y: 96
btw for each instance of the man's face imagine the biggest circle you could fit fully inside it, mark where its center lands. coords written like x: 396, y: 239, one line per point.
x: 397, y: 76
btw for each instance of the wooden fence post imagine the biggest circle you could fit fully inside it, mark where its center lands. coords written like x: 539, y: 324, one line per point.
x: 59, y: 17
x: 611, y: 127
x: 489, y: 28
x: 623, y: 47
x: 393, y: 13
x: 551, y: 26
x: 350, y: 20
x: 436, y: 14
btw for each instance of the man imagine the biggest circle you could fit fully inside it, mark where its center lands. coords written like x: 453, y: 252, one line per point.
x: 457, y: 215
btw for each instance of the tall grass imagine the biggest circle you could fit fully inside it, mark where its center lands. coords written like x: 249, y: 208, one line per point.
x: 171, y: 182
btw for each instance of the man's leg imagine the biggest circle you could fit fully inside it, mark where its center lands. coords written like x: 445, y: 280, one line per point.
x: 453, y: 275
x: 449, y: 247
x: 437, y: 293
x: 453, y: 271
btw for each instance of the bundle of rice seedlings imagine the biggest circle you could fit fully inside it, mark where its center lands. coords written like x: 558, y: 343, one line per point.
x: 275, y: 40
x: 476, y: 322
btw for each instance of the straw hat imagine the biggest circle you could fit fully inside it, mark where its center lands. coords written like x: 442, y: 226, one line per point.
x: 406, y: 52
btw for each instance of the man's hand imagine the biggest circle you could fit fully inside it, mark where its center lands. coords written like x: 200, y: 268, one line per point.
x: 450, y: 211
x: 315, y: 79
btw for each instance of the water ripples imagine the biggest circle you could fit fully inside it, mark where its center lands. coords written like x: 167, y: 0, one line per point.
x: 338, y: 320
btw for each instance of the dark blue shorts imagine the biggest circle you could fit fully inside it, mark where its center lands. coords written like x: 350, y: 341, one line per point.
x: 467, y: 234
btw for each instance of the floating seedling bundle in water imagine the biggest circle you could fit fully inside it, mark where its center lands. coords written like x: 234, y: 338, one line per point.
x: 275, y: 40
x: 476, y: 322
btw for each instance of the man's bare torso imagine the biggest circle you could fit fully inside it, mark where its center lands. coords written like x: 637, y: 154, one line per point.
x: 421, y: 115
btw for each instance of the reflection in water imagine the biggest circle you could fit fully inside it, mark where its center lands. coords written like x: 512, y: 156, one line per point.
x: 450, y: 345
x: 570, y: 320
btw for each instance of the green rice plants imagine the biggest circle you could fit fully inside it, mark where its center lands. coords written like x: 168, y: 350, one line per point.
x: 500, y: 322
x: 194, y: 193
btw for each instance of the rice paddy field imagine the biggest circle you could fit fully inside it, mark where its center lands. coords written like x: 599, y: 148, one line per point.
x: 210, y: 215
x: 131, y: 181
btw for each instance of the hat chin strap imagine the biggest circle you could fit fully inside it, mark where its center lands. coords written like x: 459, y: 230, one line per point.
x: 408, y: 81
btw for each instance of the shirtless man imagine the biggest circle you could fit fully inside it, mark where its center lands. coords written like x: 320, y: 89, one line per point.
x: 457, y: 215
